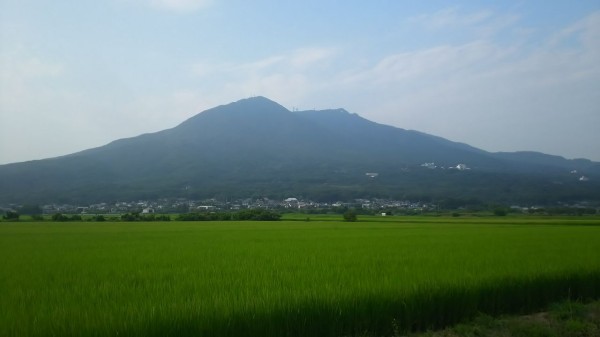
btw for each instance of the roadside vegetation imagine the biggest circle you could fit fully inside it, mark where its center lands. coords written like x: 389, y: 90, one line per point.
x: 381, y: 276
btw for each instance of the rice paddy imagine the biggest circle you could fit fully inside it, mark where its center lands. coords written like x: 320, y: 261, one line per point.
x: 286, y: 278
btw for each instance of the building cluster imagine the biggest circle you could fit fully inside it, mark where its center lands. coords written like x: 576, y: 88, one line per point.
x: 433, y: 166
x: 207, y: 205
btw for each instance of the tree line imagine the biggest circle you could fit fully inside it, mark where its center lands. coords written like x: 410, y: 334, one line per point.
x: 244, y: 215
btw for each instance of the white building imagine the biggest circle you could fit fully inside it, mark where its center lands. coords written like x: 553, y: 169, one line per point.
x: 462, y: 167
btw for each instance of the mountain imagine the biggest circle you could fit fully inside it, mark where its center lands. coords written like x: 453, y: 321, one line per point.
x: 256, y: 147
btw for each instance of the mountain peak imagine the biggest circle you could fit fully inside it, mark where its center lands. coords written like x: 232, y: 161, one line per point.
x: 252, y: 107
x: 252, y: 99
x: 256, y: 103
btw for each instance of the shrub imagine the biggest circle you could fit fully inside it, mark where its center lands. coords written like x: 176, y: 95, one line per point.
x: 130, y: 217
x: 250, y: 214
x: 257, y: 215
x: 191, y: 217
x: 500, y: 212
x: 59, y: 217
x: 349, y: 216
x: 11, y: 215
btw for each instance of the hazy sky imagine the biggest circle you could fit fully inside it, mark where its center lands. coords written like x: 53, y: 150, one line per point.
x: 501, y: 76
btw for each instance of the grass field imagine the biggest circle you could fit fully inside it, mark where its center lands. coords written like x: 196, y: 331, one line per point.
x: 376, y: 277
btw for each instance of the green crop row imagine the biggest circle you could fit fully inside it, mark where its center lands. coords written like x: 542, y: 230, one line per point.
x: 286, y: 278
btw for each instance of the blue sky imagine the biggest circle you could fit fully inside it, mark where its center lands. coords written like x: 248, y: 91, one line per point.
x: 501, y: 76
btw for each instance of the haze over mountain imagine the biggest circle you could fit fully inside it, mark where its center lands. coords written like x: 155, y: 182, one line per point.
x: 255, y: 147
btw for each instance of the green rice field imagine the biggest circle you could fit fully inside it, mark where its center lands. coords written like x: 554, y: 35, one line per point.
x: 375, y: 277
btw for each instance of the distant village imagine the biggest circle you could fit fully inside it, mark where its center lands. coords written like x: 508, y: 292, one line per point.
x: 213, y: 205
x: 289, y: 205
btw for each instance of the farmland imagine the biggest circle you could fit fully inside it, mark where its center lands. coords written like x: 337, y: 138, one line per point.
x: 378, y: 276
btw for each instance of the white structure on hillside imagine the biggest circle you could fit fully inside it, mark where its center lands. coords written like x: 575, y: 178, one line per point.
x: 291, y: 203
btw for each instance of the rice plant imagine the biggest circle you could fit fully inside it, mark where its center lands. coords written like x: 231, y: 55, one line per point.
x: 289, y: 278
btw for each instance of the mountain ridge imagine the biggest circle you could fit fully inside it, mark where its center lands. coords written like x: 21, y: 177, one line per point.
x: 256, y: 146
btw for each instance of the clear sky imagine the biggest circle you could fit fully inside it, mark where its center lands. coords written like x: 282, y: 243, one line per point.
x: 501, y: 76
